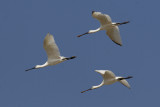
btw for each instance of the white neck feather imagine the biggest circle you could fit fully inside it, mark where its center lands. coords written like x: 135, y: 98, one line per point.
x: 94, y: 31
x: 100, y: 85
x: 41, y: 66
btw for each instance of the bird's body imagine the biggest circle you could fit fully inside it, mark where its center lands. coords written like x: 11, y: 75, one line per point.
x: 52, y: 52
x: 111, y: 29
x: 109, y: 78
x: 110, y: 81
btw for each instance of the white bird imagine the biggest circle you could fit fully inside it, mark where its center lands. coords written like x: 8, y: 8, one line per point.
x: 112, y: 29
x: 52, y: 53
x: 109, y: 78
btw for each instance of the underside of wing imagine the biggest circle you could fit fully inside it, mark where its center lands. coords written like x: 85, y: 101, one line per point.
x: 103, y: 18
x: 125, y: 83
x: 50, y: 47
x: 114, y: 35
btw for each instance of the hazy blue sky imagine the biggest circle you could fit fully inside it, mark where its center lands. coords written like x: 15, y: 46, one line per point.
x: 23, y: 26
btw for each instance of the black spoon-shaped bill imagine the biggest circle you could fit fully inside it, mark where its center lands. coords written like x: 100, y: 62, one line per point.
x: 30, y: 69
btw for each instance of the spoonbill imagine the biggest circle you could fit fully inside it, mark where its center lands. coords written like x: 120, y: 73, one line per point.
x: 52, y: 53
x: 110, y: 78
x: 112, y: 29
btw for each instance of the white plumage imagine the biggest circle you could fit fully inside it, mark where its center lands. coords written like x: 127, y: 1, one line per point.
x: 112, y: 29
x: 109, y: 78
x: 52, y: 52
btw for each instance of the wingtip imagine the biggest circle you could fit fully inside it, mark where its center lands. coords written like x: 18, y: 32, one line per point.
x: 126, y: 22
x: 117, y: 43
x: 130, y: 76
x: 48, y: 33
x: 73, y: 57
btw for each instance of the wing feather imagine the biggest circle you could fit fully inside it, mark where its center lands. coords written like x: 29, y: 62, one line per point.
x: 102, y: 18
x: 125, y: 83
x: 114, y: 35
x: 50, y: 47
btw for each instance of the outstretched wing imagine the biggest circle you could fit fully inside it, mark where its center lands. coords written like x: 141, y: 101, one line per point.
x: 103, y: 18
x: 107, y: 74
x: 125, y: 83
x: 114, y: 35
x: 51, y: 47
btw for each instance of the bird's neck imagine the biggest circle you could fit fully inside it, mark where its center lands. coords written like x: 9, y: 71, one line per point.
x: 41, y: 66
x: 94, y: 31
x: 100, y: 85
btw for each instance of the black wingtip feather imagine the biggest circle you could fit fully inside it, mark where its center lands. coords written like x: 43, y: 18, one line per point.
x: 117, y: 43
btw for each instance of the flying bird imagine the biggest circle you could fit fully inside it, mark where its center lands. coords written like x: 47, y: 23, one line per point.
x: 110, y: 78
x: 52, y: 52
x: 111, y: 28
